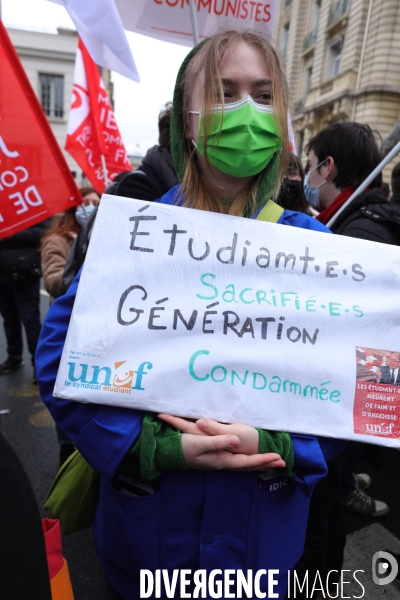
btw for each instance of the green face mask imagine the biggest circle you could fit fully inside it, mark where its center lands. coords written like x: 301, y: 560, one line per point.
x: 248, y: 139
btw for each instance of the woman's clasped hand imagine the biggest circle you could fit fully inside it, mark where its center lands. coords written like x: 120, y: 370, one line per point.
x: 210, y: 445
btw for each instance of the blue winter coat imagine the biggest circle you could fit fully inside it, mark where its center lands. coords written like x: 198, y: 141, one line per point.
x: 197, y: 519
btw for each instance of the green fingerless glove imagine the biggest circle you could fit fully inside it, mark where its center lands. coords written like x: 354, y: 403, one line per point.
x: 157, y: 449
x: 281, y: 443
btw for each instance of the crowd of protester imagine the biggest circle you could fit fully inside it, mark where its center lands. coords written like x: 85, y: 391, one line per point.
x: 339, y: 159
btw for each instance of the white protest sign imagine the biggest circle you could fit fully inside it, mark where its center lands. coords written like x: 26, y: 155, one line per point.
x: 169, y: 20
x: 205, y: 315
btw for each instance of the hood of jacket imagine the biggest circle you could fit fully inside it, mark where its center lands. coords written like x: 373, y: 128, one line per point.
x: 160, y: 160
x: 268, y: 175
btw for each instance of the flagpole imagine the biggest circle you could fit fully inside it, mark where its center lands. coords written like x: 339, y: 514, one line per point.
x: 195, y: 30
x: 105, y: 172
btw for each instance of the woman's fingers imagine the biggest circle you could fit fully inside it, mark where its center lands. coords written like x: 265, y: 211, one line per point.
x: 246, y: 444
x: 253, y: 462
x: 182, y: 424
x: 211, y: 427
x: 249, y: 437
x: 215, y: 452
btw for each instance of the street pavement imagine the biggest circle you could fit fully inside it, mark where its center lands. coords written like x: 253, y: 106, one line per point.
x: 30, y: 430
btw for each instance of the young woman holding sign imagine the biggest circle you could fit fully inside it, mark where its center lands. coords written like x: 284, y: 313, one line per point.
x: 176, y: 494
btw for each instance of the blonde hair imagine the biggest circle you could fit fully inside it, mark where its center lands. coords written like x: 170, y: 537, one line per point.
x: 198, y: 189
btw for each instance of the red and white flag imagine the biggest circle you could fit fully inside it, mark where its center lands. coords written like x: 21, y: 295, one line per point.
x: 93, y: 138
x: 35, y: 181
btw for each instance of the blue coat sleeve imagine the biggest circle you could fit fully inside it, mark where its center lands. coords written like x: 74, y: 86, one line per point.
x: 310, y: 457
x: 103, y: 434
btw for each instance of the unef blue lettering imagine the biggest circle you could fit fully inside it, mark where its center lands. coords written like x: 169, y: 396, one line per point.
x: 107, y: 375
x: 208, y: 285
x: 140, y: 374
x: 191, y: 365
x: 71, y: 372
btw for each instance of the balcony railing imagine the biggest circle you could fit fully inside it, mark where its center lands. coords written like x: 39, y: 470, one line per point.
x: 310, y: 40
x: 341, y: 8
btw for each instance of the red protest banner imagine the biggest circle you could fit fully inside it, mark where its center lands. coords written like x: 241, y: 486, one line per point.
x: 35, y: 181
x: 93, y: 137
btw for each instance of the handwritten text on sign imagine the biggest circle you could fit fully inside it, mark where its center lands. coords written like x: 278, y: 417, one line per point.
x: 200, y: 314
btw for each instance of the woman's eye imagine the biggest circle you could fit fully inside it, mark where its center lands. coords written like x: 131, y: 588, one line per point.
x: 265, y: 98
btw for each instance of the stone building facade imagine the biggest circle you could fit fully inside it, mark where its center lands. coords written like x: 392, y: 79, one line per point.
x: 342, y: 63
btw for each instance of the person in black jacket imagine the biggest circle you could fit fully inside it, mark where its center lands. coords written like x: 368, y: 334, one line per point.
x: 291, y: 194
x: 20, y: 275
x: 155, y: 176
x: 341, y: 157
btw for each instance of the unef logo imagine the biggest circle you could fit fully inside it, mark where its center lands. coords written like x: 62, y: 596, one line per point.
x: 382, y: 429
x: 121, y: 379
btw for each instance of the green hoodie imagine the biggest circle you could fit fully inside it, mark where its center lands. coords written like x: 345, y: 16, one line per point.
x: 268, y: 175
x: 159, y: 445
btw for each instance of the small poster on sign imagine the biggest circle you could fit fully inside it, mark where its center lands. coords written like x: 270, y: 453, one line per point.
x: 206, y: 315
x: 377, y: 396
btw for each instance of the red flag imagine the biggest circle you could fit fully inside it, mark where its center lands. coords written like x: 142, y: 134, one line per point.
x: 35, y: 181
x: 93, y: 138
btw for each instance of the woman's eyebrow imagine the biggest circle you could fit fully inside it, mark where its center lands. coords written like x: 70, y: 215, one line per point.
x: 263, y: 82
x: 258, y: 83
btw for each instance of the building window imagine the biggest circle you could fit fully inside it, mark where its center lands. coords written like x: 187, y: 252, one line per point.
x: 52, y: 94
x: 311, y: 38
x: 341, y: 8
x: 308, y: 81
x: 335, y: 58
x: 285, y: 40
x: 315, y: 16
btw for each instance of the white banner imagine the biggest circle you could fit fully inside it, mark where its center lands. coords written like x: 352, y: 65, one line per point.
x: 169, y: 20
x: 206, y: 315
x: 101, y: 24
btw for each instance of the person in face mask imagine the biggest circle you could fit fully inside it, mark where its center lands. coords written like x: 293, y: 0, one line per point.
x: 58, y: 239
x: 55, y: 247
x: 340, y: 158
x: 312, y: 193
x: 228, y: 142
x: 291, y: 195
x: 91, y: 199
